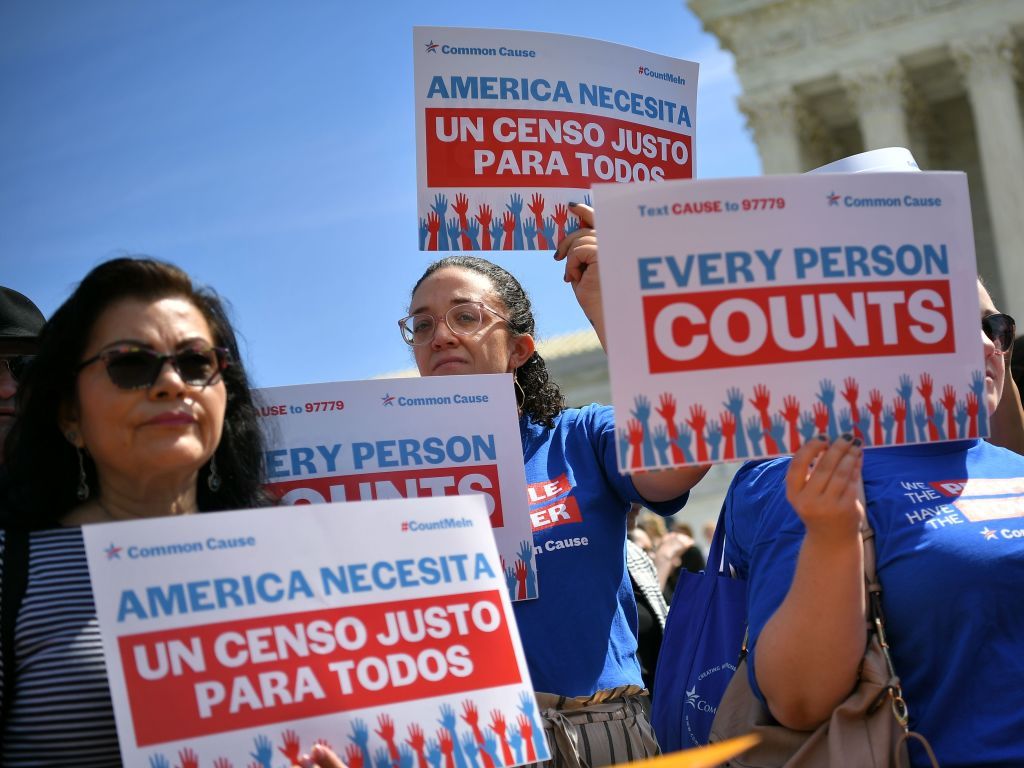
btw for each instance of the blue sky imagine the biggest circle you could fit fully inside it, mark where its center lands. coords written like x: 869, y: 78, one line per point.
x: 268, y: 149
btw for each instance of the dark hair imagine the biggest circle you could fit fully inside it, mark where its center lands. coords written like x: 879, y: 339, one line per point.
x: 42, y: 466
x: 542, y: 400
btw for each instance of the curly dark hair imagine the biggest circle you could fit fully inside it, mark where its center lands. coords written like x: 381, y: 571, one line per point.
x: 42, y: 466
x: 542, y: 400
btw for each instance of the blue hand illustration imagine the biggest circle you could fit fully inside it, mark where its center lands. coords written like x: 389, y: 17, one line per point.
x: 526, y: 555
x: 865, y: 427
x: 683, y: 437
x: 381, y: 758
x: 406, y: 759
x: 734, y: 404
x: 264, y: 753
x: 642, y: 412
x: 448, y: 721
x: 510, y: 580
x: 906, y: 391
x: 529, y: 232
x: 978, y: 385
x: 921, y: 419
x: 490, y: 746
x: 470, y: 748
x: 961, y: 420
x: 473, y: 233
x: 754, y: 433
x: 827, y: 396
x: 845, y: 422
x: 159, y: 761
x: 777, y: 430
x: 713, y: 435
x: 586, y: 199
x: 515, y: 207
x: 939, y: 420
x: 434, y: 753
x: 454, y: 230
x: 424, y: 234
x: 888, y: 422
x: 496, y: 231
x: 440, y: 207
x: 515, y: 740
x: 548, y: 230
x: 527, y: 705
x: 807, y: 428
x: 623, y: 448
x: 572, y: 225
x: 661, y: 443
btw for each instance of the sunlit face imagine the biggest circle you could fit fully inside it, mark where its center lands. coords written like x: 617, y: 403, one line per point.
x: 170, y: 428
x: 492, y: 349
x: 995, y: 362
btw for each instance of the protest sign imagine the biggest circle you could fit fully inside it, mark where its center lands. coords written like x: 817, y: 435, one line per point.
x: 752, y: 314
x: 395, y: 438
x: 511, y: 126
x: 246, y: 636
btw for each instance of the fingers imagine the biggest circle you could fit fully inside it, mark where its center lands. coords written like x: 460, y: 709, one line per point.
x: 823, y: 482
x: 321, y: 756
x: 586, y: 216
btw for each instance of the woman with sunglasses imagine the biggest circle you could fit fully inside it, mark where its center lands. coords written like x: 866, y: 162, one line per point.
x: 468, y: 315
x: 949, y: 541
x: 136, y: 406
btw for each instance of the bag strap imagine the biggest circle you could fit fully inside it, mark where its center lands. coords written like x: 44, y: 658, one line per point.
x: 15, y: 580
x: 716, y: 555
x: 876, y: 620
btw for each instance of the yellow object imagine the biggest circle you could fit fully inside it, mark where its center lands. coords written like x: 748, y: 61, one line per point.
x: 700, y: 757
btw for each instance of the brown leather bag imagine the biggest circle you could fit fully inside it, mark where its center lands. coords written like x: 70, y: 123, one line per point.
x: 868, y: 729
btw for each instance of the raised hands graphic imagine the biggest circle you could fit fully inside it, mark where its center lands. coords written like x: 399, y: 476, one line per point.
x: 827, y: 397
x: 714, y: 438
x: 483, y: 218
x: 440, y: 208
x: 697, y: 420
x: 537, y: 209
x: 667, y: 410
x: 734, y: 404
x: 925, y: 390
x: 875, y: 404
x: 264, y: 753
x: 461, y: 208
x: 560, y: 217
x: 290, y: 746
x: 642, y: 413
x: 729, y: 433
x: 682, y: 441
x: 515, y: 207
x: 791, y: 413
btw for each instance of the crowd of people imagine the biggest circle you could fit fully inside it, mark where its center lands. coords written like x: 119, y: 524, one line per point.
x: 132, y: 402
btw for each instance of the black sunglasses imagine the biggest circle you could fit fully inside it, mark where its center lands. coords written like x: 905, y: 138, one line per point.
x: 1000, y: 329
x: 131, y: 367
x: 17, y: 365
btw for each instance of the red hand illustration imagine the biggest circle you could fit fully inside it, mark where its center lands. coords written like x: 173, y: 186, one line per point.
x: 537, y: 207
x: 875, y: 404
x: 290, y: 746
x: 461, y: 207
x: 850, y: 393
x: 899, y: 410
x: 444, y: 739
x: 698, y: 418
x: 416, y: 741
x: 925, y: 390
x: 521, y: 578
x: 484, y: 216
x: 729, y: 433
x: 561, y: 216
x: 526, y: 729
x: 972, y: 413
x: 354, y: 757
x: 498, y: 726
x: 667, y: 410
x: 949, y: 403
x: 386, y: 732
x: 820, y: 411
x: 188, y: 758
x: 433, y: 225
x: 636, y: 439
x: 791, y: 413
x: 508, y: 223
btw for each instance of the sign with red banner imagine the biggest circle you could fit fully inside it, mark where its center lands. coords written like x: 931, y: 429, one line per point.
x: 753, y: 314
x: 512, y: 126
x: 406, y: 438
x: 367, y: 625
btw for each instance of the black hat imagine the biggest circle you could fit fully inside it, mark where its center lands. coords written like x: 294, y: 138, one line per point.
x: 19, y: 317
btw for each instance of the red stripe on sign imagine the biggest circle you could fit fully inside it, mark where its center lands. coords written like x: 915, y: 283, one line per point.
x: 197, y: 681
x: 400, y: 484
x: 536, y: 148
x: 795, y: 323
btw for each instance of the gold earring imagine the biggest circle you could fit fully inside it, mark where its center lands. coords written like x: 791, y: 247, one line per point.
x: 520, y: 393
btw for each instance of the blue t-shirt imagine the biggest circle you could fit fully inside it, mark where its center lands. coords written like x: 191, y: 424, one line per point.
x: 949, y: 524
x: 580, y: 634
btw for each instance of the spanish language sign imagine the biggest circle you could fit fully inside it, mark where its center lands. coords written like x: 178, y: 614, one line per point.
x: 511, y: 126
x: 754, y: 314
x: 383, y: 628
x: 404, y: 438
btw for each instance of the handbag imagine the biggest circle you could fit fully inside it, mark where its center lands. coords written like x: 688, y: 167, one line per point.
x: 703, y: 636
x: 868, y: 729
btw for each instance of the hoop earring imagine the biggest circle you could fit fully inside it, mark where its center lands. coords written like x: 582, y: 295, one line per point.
x: 82, y: 492
x: 520, y: 393
x: 213, y: 479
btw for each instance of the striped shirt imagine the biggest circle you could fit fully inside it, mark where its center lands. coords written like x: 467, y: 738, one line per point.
x: 62, y: 713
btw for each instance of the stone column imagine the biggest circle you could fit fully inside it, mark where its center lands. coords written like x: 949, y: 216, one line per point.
x: 877, y: 94
x: 988, y: 71
x: 773, y: 118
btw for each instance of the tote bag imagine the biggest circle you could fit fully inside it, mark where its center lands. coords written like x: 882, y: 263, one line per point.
x: 700, y: 650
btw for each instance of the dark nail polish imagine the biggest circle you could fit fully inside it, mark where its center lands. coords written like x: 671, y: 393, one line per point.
x: 856, y: 441
x: 823, y: 438
x: 573, y: 205
x: 847, y: 436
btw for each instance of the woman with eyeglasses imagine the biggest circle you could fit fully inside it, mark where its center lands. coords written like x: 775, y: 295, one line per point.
x: 949, y: 541
x: 136, y: 406
x: 468, y: 315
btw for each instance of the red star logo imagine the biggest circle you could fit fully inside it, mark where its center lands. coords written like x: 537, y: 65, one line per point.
x: 113, y: 552
x: 432, y: 47
x: 833, y: 199
x: 987, y: 533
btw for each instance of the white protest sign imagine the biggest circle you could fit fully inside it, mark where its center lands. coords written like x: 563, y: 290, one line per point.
x: 383, y: 628
x: 749, y: 315
x: 403, y: 438
x: 511, y: 126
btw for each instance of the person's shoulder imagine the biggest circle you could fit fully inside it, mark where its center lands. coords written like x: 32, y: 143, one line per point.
x: 756, y: 480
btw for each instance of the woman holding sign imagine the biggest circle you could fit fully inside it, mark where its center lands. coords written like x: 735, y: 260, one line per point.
x: 468, y: 315
x: 136, y: 406
x: 949, y: 543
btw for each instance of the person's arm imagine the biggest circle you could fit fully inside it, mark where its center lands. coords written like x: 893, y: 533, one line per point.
x: 1007, y: 423
x: 579, y: 251
x: 808, y: 653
